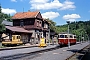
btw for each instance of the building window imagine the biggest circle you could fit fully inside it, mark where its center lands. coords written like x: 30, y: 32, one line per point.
x: 30, y: 22
x: 16, y: 23
x: 47, y: 34
x: 37, y: 23
x: 45, y: 25
x: 41, y: 35
x: 21, y: 23
x: 36, y: 35
x: 27, y: 22
x: 40, y: 24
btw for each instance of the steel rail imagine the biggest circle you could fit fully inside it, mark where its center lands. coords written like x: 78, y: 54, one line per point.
x: 16, y: 56
x: 11, y: 48
x: 80, y: 54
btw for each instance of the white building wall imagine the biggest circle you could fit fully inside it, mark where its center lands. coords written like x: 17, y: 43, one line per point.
x: 33, y: 33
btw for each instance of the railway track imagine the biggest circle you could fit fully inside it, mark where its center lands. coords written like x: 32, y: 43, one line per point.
x: 87, y: 56
x: 30, y: 54
x: 79, y: 54
x: 11, y: 48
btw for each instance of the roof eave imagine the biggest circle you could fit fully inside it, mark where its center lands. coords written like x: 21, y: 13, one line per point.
x: 21, y: 18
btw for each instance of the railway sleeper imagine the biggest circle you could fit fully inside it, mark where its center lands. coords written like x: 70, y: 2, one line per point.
x: 79, y: 54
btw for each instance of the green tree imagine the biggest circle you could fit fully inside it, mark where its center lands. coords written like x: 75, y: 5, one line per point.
x: 0, y: 8
x: 52, y: 24
x: 2, y: 27
x: 78, y: 28
x: 1, y: 15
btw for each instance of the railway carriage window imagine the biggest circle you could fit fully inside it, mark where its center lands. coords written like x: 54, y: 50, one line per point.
x: 61, y: 36
x: 66, y: 36
x: 71, y: 36
x: 18, y: 37
x: 13, y: 37
x: 74, y: 36
x: 58, y: 36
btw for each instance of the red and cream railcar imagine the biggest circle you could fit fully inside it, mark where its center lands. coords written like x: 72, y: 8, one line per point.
x: 63, y: 39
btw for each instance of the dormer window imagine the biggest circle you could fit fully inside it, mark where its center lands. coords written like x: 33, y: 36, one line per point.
x: 40, y: 24
x: 45, y: 25
x: 37, y: 23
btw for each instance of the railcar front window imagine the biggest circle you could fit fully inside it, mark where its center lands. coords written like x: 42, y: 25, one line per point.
x: 74, y: 36
x: 61, y: 36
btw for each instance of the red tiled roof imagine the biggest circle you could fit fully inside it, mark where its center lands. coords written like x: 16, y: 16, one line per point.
x: 28, y: 14
x: 17, y: 29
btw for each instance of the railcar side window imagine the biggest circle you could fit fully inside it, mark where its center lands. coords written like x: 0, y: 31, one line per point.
x: 66, y: 36
x: 18, y: 37
x: 61, y: 36
x: 71, y: 36
x: 13, y: 37
x: 58, y: 36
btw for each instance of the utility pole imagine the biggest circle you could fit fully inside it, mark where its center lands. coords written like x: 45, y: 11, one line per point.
x: 68, y: 34
x: 88, y: 38
x: 49, y: 33
x: 81, y: 37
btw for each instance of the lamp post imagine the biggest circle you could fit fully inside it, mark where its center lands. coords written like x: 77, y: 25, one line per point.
x: 49, y: 33
x: 85, y: 37
x: 68, y: 34
x: 81, y: 37
x: 88, y: 38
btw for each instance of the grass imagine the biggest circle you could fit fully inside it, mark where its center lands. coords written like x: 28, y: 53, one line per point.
x: 2, y: 46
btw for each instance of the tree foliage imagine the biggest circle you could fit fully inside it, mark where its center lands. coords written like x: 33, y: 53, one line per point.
x: 52, y: 24
x: 3, y: 17
x: 80, y: 28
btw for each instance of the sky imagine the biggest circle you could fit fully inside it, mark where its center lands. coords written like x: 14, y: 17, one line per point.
x: 60, y: 11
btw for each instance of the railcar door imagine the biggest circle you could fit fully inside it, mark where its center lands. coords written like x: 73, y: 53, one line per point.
x: 62, y: 39
x: 66, y: 39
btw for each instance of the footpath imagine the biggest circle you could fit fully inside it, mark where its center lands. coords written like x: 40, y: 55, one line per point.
x: 19, y: 47
x: 22, y: 46
x: 22, y: 50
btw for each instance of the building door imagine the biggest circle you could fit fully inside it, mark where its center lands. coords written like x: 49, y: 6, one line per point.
x: 29, y: 37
